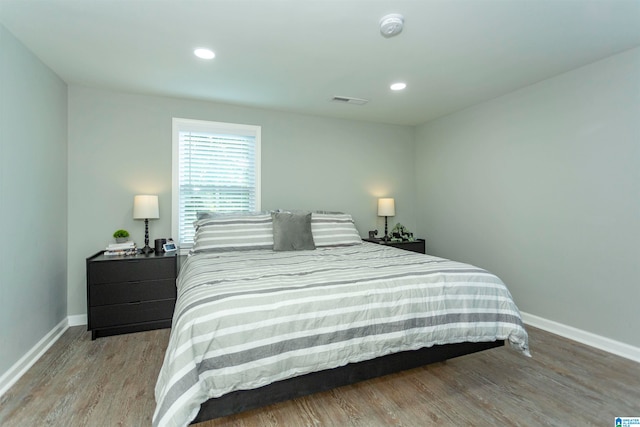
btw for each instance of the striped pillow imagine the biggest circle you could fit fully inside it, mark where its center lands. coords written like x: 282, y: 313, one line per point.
x: 233, y: 232
x: 334, y: 230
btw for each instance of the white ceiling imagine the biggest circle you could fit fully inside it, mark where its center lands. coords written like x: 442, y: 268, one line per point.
x: 295, y: 55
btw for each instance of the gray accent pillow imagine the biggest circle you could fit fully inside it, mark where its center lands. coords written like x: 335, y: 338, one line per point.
x: 292, y: 231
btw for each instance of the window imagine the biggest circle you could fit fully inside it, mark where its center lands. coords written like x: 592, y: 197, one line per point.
x: 216, y: 167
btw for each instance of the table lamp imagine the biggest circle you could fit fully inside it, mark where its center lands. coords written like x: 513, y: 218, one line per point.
x: 146, y: 207
x: 386, y: 208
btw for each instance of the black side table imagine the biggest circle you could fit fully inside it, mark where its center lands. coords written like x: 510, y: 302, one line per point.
x: 130, y: 293
x: 419, y: 245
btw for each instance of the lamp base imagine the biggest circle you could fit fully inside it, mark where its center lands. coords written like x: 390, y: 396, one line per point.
x: 146, y: 250
x: 386, y: 235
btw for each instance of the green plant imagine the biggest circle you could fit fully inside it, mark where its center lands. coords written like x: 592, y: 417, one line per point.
x: 121, y: 233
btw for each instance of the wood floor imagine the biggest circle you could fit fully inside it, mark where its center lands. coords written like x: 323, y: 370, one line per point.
x: 110, y: 381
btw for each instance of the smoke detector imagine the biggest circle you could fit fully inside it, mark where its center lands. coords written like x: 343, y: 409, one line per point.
x: 391, y: 25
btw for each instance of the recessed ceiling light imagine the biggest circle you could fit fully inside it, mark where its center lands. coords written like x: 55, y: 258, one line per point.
x: 398, y: 86
x: 204, y: 53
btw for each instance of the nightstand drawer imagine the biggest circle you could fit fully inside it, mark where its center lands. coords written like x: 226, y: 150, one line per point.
x: 117, y: 293
x: 126, y: 270
x: 126, y: 314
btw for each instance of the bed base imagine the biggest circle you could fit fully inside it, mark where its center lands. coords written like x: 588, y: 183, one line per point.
x: 244, y: 400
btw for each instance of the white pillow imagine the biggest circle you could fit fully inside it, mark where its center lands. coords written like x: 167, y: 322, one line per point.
x: 233, y: 232
x: 334, y: 229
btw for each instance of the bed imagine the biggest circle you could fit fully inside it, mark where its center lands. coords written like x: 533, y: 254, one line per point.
x: 254, y: 325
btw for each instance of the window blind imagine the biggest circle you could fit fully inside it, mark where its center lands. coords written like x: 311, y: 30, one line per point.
x: 216, y: 172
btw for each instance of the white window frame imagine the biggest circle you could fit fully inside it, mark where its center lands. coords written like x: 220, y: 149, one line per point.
x: 180, y: 125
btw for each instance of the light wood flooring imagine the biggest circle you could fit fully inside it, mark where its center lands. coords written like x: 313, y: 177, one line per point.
x: 110, y: 382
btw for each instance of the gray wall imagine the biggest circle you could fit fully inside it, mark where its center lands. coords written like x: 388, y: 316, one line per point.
x: 120, y: 145
x: 542, y: 187
x: 33, y: 200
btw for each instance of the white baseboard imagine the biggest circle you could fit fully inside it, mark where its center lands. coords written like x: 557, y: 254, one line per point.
x: 606, y: 344
x: 627, y: 351
x: 19, y: 368
x: 77, y: 320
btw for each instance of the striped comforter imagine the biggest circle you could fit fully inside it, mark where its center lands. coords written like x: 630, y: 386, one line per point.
x: 245, y: 319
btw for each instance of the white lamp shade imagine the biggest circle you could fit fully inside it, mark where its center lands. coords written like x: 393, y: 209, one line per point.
x: 145, y: 207
x: 386, y: 207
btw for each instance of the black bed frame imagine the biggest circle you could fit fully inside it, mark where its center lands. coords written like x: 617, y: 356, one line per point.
x: 244, y: 400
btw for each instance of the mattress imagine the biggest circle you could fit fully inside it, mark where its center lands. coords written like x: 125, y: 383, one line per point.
x: 245, y: 319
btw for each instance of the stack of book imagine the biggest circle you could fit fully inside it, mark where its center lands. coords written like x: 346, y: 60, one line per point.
x: 121, y: 249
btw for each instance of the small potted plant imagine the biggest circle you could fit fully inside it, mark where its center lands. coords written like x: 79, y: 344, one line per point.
x: 121, y: 236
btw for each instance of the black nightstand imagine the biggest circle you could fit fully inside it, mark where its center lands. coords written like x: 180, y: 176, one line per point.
x: 418, y: 246
x: 130, y: 293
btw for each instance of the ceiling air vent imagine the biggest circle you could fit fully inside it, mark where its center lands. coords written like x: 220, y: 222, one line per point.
x: 349, y: 100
